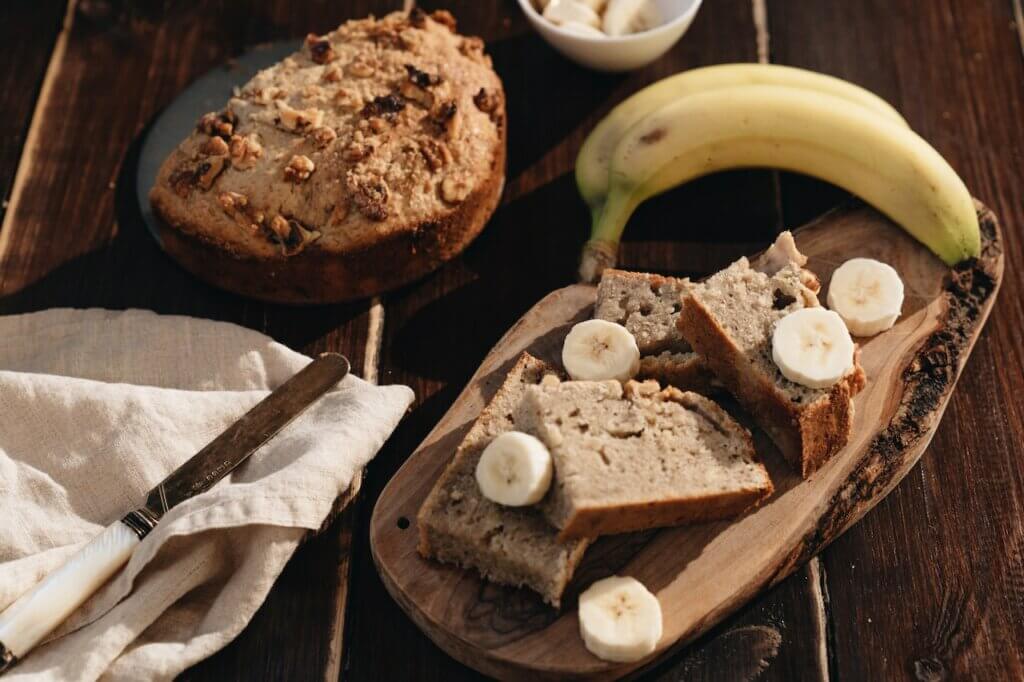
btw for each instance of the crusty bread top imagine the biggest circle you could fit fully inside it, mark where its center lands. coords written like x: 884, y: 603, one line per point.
x: 646, y: 304
x: 635, y: 445
x: 375, y: 128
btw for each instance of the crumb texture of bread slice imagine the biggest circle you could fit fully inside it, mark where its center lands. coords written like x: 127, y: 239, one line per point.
x: 638, y: 457
x: 648, y: 306
x: 729, y: 319
x: 508, y: 545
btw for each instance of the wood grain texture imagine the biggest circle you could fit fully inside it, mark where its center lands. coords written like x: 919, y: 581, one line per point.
x: 702, y: 572
x: 75, y: 238
x: 929, y: 585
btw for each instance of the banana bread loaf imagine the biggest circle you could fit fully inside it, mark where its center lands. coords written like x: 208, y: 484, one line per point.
x: 355, y: 165
x: 508, y: 545
x: 729, y: 319
x: 638, y: 457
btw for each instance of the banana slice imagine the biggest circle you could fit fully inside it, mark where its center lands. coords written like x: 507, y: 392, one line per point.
x: 597, y: 350
x: 812, y: 347
x: 620, y: 620
x: 624, y: 16
x: 867, y: 294
x: 563, y: 11
x: 515, y: 470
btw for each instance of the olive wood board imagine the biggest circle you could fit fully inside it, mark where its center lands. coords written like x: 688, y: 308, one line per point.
x: 701, y: 573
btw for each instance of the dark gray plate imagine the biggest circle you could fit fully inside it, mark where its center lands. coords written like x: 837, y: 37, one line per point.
x: 207, y: 93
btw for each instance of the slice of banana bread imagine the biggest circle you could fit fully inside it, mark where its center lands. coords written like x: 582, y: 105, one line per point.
x: 638, y: 457
x: 648, y: 305
x: 729, y: 319
x: 508, y: 545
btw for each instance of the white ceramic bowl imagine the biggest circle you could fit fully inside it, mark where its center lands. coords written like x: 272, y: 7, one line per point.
x: 621, y: 53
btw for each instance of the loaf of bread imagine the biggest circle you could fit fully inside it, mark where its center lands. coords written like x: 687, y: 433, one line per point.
x: 638, y: 457
x: 508, y: 545
x: 648, y: 305
x: 729, y: 319
x: 357, y: 164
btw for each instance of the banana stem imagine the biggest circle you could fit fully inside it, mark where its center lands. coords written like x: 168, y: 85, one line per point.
x: 608, y: 222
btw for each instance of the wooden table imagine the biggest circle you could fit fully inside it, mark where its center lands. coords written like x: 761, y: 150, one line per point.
x: 929, y: 585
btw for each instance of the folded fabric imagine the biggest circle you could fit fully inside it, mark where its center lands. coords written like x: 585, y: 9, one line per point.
x: 98, y: 406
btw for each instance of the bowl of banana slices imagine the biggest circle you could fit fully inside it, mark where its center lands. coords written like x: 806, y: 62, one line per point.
x: 611, y: 35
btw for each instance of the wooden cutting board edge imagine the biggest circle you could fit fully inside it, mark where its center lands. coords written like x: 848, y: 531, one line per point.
x: 969, y: 297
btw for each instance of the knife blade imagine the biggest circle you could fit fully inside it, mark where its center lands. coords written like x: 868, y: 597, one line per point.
x: 36, y: 613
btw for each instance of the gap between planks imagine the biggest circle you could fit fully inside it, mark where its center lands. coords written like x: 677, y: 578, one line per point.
x: 371, y: 366
x: 814, y: 570
x: 31, y: 144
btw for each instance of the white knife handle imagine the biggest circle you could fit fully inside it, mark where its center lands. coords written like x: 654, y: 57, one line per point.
x: 37, y: 612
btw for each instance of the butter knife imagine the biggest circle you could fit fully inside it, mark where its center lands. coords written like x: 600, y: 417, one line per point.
x: 37, y: 612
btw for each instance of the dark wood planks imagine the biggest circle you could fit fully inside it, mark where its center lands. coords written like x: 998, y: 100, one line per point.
x: 438, y: 330
x: 929, y: 585
x: 73, y: 237
x: 28, y: 32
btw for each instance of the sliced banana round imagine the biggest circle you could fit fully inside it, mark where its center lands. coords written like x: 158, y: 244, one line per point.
x: 867, y: 294
x: 812, y: 347
x: 622, y: 17
x: 563, y: 11
x: 514, y: 470
x: 620, y: 620
x: 596, y: 350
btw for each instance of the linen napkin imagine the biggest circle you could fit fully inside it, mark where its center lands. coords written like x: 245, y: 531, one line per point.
x: 98, y: 406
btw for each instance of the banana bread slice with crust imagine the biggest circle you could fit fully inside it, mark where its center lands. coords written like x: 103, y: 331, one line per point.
x: 729, y: 319
x: 635, y: 457
x: 508, y: 545
x: 648, y: 305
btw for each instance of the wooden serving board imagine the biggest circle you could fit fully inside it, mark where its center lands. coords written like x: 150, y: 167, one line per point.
x: 701, y: 573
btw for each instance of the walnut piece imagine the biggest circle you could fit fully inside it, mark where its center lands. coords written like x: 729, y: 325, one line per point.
x: 290, y: 234
x: 215, y: 146
x: 370, y: 195
x: 218, y: 124
x: 237, y: 206
x: 332, y: 74
x: 486, y: 100
x: 360, y: 68
x: 444, y: 17
x: 446, y: 120
x: 454, y: 190
x: 297, y: 120
x: 320, y: 50
x: 357, y: 151
x: 245, y: 151
x: 436, y: 154
x: 415, y: 93
x: 207, y: 171
x: 299, y: 169
x: 323, y: 136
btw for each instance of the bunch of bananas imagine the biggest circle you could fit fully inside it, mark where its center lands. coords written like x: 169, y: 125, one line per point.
x: 768, y: 116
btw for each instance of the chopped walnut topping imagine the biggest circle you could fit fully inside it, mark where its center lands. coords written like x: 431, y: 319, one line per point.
x: 245, y: 151
x: 268, y: 94
x: 443, y: 16
x: 415, y: 93
x: 421, y: 78
x: 348, y: 99
x: 299, y: 169
x: 219, y: 124
x: 486, y: 100
x: 445, y: 120
x: 313, y: 92
x: 357, y: 151
x: 332, y: 74
x: 215, y: 146
x: 387, y: 106
x: 472, y: 47
x: 237, y: 206
x: 359, y: 68
x: 207, y: 171
x: 292, y: 235
x: 320, y: 50
x: 323, y: 136
x: 436, y: 153
x: 454, y: 189
x: 297, y: 120
x: 417, y: 17
x: 377, y: 124
x: 370, y: 195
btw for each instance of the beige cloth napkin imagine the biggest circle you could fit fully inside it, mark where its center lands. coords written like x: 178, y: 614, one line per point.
x: 98, y: 406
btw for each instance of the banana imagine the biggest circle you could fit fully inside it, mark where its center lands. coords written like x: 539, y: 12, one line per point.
x: 812, y: 347
x: 564, y: 11
x: 596, y: 350
x: 595, y: 155
x: 772, y: 126
x: 622, y: 17
x: 620, y: 620
x: 514, y: 470
x: 867, y: 294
